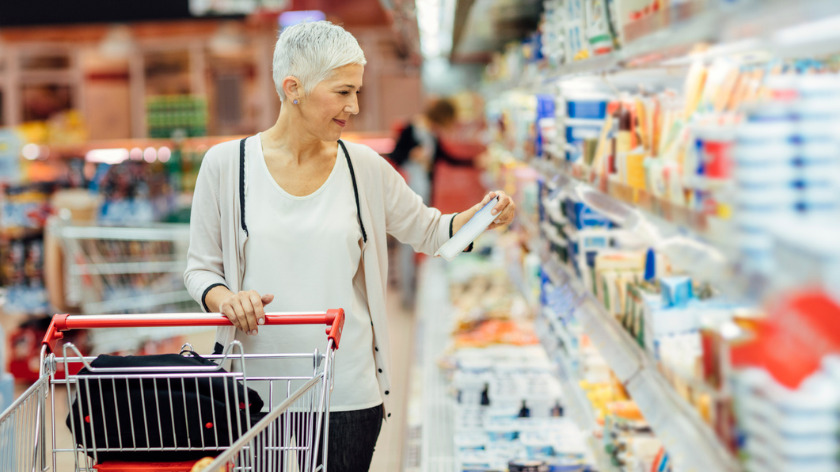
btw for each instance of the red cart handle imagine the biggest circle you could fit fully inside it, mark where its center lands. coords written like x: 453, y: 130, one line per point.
x: 332, y: 318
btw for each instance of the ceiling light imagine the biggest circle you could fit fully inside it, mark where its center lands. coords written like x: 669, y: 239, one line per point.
x: 228, y: 39
x: 150, y: 154
x: 117, y: 43
x: 435, y: 23
x: 107, y: 156
x: 31, y: 151
x: 163, y: 154
x: 294, y: 17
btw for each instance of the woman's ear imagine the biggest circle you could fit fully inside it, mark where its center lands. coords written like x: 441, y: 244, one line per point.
x: 292, y: 88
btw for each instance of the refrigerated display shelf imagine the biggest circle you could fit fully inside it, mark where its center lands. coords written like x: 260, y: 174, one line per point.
x: 624, y: 200
x: 577, y: 405
x: 696, y: 243
x: 435, y: 423
x: 581, y: 410
x: 689, y: 440
x: 668, y: 37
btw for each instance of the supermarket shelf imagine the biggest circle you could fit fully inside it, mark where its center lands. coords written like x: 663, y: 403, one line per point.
x: 688, y: 439
x: 137, y: 304
x: 607, y: 335
x: 623, y: 201
x: 437, y: 448
x: 113, y: 268
x: 152, y: 232
x: 694, y: 242
x: 578, y: 406
x: 670, y: 37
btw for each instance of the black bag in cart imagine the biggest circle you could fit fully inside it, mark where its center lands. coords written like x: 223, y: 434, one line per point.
x: 189, y: 407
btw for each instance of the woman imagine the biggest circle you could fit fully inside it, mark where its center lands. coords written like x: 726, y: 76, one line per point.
x: 293, y: 219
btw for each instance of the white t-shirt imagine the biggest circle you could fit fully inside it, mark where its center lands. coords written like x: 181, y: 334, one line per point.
x: 306, y: 251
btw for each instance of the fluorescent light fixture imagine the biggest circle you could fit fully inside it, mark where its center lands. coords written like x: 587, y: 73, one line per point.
x: 228, y: 39
x: 118, y: 42
x: 428, y: 22
x: 294, y: 17
x: 136, y: 154
x: 163, y: 154
x: 107, y: 156
x: 234, y: 7
x: 150, y: 154
x: 435, y: 22
x: 31, y: 151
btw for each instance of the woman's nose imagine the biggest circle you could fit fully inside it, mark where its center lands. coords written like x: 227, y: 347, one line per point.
x: 353, y: 106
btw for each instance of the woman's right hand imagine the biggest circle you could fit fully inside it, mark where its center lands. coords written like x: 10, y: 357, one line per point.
x: 246, y: 310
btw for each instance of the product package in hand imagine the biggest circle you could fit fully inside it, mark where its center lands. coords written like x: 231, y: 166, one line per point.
x: 467, y: 234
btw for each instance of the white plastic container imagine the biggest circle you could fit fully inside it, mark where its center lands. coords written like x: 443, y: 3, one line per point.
x: 471, y: 230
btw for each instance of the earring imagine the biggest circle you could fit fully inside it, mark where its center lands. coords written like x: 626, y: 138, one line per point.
x: 295, y: 101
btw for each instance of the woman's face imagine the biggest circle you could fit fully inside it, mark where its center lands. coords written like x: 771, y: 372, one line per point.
x: 328, y: 108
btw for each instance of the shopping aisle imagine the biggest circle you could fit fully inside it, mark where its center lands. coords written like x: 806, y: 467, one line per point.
x: 484, y: 394
x: 429, y: 445
x: 389, y: 449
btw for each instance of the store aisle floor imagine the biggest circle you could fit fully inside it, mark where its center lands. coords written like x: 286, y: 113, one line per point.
x: 389, y: 449
x: 388, y: 455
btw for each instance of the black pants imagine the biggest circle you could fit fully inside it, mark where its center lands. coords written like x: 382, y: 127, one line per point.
x: 353, y: 436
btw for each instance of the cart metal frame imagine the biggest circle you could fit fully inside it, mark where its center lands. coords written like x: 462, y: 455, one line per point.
x: 294, y: 434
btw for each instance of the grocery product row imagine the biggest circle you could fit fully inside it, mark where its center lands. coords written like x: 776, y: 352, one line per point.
x: 697, y: 363
x: 507, y: 385
x: 585, y: 37
x: 682, y: 208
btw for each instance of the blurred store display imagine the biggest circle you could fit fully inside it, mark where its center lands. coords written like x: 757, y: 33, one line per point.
x: 686, y: 175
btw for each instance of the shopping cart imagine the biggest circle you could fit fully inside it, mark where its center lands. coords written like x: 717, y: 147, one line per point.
x: 148, y: 411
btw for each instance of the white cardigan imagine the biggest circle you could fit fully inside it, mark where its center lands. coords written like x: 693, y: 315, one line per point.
x: 387, y: 205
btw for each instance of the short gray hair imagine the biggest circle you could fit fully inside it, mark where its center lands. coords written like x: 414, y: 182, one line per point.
x: 311, y: 51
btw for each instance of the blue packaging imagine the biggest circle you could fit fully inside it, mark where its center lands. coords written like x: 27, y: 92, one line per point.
x: 546, y: 108
x: 676, y: 291
x: 582, y: 217
x: 586, y: 108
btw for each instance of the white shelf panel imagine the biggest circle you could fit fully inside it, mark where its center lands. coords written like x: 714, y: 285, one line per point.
x: 437, y: 448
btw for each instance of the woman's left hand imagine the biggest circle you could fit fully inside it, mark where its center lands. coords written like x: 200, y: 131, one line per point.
x: 505, y: 210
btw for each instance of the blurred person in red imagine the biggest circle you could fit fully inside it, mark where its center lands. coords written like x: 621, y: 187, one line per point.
x: 456, y: 175
x: 415, y: 151
x: 417, y: 145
